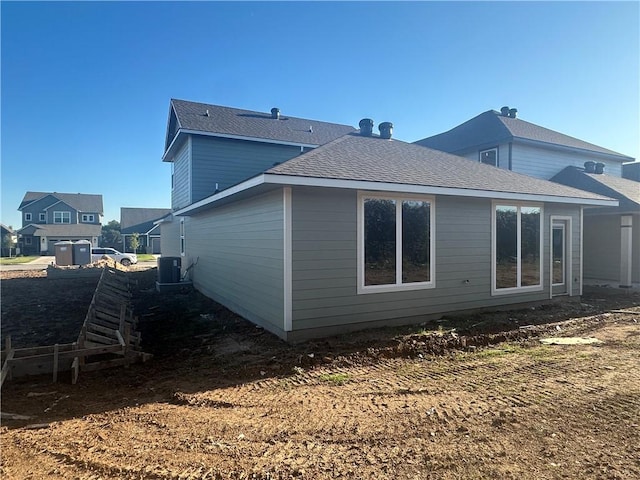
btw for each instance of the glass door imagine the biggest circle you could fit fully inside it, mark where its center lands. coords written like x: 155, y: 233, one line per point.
x: 559, y: 270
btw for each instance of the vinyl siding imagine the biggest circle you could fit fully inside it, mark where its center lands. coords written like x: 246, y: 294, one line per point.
x: 170, y: 238
x: 635, y: 256
x: 602, y: 247
x: 181, y: 191
x: 324, y: 240
x: 239, y: 253
x: 545, y: 163
x: 226, y: 162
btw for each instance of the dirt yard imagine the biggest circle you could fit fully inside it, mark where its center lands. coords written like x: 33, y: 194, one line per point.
x: 223, y: 399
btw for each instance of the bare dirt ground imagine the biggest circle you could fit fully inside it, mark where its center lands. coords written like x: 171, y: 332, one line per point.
x: 222, y: 399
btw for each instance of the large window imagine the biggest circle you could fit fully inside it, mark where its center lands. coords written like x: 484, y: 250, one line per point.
x: 395, y: 243
x: 61, y: 217
x: 88, y: 217
x: 517, y: 247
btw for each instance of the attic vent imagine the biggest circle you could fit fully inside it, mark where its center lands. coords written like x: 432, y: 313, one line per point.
x: 589, y: 167
x: 366, y: 127
x: 206, y: 112
x: 275, y: 113
x: 599, y: 168
x: 504, y: 111
x: 386, y: 130
x: 513, y: 112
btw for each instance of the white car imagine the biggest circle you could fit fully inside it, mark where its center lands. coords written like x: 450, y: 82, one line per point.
x: 125, y: 259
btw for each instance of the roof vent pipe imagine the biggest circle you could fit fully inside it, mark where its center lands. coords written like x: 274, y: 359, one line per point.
x: 275, y: 113
x: 386, y: 130
x: 599, y: 168
x: 589, y: 167
x: 366, y: 127
x: 513, y: 112
x: 504, y: 111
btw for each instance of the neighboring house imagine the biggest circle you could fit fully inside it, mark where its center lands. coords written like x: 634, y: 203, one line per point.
x: 141, y: 221
x: 611, y: 235
x: 503, y: 140
x: 365, y: 231
x: 7, y: 233
x: 50, y: 217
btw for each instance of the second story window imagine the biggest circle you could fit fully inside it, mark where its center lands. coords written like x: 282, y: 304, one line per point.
x: 490, y: 157
x: 27, y: 217
x: 88, y: 218
x: 43, y: 217
x: 61, y: 217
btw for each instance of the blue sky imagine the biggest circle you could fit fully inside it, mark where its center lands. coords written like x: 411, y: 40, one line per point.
x: 86, y: 85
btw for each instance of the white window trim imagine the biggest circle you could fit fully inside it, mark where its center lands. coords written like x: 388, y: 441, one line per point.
x: 519, y: 289
x: 27, y: 217
x: 494, y: 149
x: 42, y: 217
x: 398, y: 286
x: 183, y: 246
x: 568, y: 231
x: 88, y: 218
x: 62, y: 217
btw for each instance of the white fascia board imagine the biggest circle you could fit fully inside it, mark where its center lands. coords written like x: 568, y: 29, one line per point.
x: 612, y: 156
x: 247, y: 184
x: 429, y: 190
x: 269, y: 178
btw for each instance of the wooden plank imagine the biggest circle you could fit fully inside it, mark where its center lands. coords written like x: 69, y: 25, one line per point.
x: 120, y: 339
x: 117, y: 362
x: 28, y: 351
x: 6, y: 368
x: 75, y: 370
x: 97, y: 349
x: 101, y: 339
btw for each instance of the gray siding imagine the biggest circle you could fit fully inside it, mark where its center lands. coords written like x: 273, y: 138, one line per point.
x: 602, y: 247
x: 503, y: 154
x: 544, y: 163
x: 239, y: 252
x: 227, y: 162
x: 324, y: 260
x: 170, y: 238
x: 181, y: 191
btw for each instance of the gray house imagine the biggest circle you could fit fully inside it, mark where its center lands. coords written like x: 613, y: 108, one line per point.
x: 142, y: 221
x: 501, y: 139
x: 50, y: 217
x: 367, y: 231
x: 611, y: 235
x: 9, y: 237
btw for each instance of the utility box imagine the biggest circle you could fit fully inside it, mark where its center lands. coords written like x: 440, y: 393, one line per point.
x: 64, y: 253
x: 169, y: 269
x: 82, y: 252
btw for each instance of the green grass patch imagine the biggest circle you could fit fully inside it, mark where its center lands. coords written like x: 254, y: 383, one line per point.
x: 146, y: 257
x: 16, y: 260
x: 335, y: 378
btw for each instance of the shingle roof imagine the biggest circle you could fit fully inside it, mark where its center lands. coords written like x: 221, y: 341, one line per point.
x: 371, y: 159
x: 260, y: 125
x: 492, y: 127
x: 140, y: 220
x: 625, y: 190
x: 83, y: 202
x: 73, y: 230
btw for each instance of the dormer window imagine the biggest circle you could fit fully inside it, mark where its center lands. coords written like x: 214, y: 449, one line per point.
x: 490, y: 156
x: 88, y: 218
x: 43, y: 217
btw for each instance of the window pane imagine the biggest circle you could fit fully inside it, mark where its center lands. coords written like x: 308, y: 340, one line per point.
x: 558, y: 255
x: 379, y: 242
x: 415, y: 242
x: 530, y: 248
x: 506, y: 248
x: 490, y: 157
